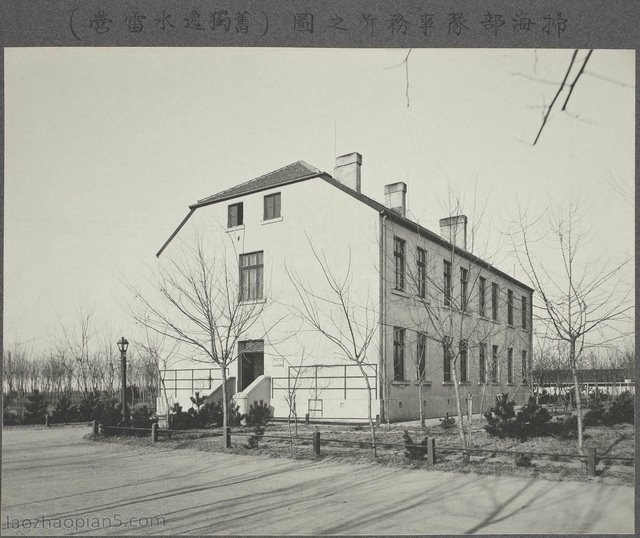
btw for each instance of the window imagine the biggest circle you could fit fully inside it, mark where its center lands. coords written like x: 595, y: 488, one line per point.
x: 251, y: 267
x: 482, y: 374
x: 510, y: 366
x: 398, y: 354
x: 234, y: 216
x: 446, y: 349
x: 494, y: 364
x: 422, y: 273
x: 509, y: 307
x: 272, y: 206
x: 494, y: 301
x: 447, y: 283
x: 482, y: 288
x: 525, y: 309
x: 422, y: 356
x: 398, y: 254
x: 524, y: 366
x: 464, y: 280
x: 463, y: 362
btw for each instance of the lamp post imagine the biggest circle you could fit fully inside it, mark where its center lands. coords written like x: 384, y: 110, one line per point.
x: 122, y: 346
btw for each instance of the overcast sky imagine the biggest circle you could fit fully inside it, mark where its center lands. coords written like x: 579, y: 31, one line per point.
x: 105, y: 148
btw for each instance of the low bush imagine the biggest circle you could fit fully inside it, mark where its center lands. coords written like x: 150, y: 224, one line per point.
x: 65, y: 411
x: 411, y: 451
x: 258, y: 417
x: 35, y: 408
x: 142, y: 417
x: 621, y: 410
x: 532, y: 421
x: 447, y: 422
x: 596, y: 414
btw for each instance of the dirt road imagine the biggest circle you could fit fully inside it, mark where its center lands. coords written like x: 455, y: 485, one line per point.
x: 54, y: 482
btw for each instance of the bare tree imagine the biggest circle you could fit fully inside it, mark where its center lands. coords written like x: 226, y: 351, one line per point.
x: 579, y: 298
x: 162, y: 351
x: 200, y: 306
x: 76, y: 344
x: 339, y: 314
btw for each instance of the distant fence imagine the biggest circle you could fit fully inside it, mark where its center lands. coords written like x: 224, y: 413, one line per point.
x: 317, y: 441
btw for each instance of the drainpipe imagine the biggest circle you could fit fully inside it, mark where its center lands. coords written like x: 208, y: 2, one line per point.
x: 382, y: 314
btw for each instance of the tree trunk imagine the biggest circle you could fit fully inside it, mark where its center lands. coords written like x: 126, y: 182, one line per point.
x: 456, y: 389
x: 371, y: 425
x: 420, y: 402
x: 225, y: 406
x: 576, y: 386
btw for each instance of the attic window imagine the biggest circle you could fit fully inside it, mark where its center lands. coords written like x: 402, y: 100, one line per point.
x: 272, y: 206
x: 235, y: 216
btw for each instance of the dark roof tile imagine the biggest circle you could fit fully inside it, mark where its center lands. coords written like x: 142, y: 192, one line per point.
x: 287, y: 174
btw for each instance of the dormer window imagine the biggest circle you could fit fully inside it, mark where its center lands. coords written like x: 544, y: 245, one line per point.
x: 235, y: 216
x: 272, y: 206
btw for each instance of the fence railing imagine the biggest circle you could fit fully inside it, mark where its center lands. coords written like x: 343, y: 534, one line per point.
x: 317, y: 441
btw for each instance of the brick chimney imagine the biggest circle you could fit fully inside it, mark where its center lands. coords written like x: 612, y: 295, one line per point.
x: 395, y: 197
x: 348, y: 170
x: 454, y: 230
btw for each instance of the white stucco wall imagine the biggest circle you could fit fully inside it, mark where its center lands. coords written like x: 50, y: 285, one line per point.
x: 343, y: 231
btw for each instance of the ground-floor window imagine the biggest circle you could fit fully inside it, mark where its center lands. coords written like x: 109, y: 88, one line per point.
x: 446, y: 354
x: 494, y: 364
x: 398, y: 354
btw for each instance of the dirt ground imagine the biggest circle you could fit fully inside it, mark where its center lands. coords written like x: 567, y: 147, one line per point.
x: 56, y: 482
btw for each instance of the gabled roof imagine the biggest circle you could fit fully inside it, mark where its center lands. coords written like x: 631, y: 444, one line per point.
x: 291, y: 173
x: 301, y: 171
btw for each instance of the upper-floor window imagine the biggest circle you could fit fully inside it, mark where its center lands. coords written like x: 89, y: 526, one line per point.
x: 464, y: 377
x: 272, y: 206
x: 251, y: 275
x: 422, y: 355
x: 398, y: 254
x: 447, y: 283
x: 398, y: 354
x: 422, y: 272
x: 234, y: 215
x: 494, y: 301
x: 509, y: 307
x: 464, y: 288
x: 482, y: 289
x: 525, y: 312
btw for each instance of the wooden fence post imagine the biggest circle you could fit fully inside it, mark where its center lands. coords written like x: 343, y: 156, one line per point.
x: 95, y: 427
x: 154, y: 432
x: 431, y: 448
x: 227, y: 437
x: 316, y: 443
x: 46, y: 420
x: 591, y: 461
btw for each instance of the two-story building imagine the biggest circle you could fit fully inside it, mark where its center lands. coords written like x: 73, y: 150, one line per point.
x: 434, y: 314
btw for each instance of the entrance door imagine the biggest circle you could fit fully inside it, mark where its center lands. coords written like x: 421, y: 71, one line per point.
x: 251, y: 362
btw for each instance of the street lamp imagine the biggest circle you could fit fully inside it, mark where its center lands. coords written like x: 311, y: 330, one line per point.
x: 122, y: 346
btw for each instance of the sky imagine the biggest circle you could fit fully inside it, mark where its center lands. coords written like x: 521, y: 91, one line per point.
x: 106, y: 147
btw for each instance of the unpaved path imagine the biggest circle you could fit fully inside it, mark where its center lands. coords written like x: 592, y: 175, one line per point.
x: 57, y: 479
